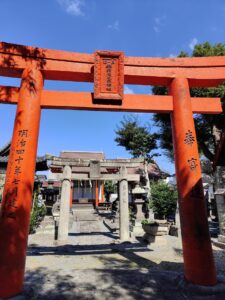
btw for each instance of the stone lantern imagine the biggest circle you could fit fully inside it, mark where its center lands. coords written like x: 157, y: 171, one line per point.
x: 139, y: 195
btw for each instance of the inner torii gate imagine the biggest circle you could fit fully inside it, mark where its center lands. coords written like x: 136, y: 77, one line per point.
x: 109, y: 71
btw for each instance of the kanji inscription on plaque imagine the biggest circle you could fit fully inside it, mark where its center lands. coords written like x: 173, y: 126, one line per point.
x: 108, y: 75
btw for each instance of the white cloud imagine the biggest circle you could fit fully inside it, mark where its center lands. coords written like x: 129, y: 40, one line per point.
x: 128, y: 90
x: 156, y: 29
x: 114, y: 26
x: 158, y: 23
x: 172, y: 55
x: 72, y: 7
x: 192, y: 43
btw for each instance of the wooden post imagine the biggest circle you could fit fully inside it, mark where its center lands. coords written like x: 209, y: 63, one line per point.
x: 103, y: 195
x: 96, y: 194
x: 199, y: 265
x: 17, y: 196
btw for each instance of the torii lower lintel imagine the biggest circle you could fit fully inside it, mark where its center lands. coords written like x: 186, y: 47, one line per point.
x: 130, y: 103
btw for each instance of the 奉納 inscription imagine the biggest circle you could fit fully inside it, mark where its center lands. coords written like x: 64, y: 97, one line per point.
x: 189, y: 138
x: 192, y: 163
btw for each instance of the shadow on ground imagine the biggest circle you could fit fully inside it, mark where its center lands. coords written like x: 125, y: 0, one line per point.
x: 97, y: 284
x: 114, y: 284
x: 86, y: 249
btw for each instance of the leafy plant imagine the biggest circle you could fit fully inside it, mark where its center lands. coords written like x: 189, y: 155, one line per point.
x: 109, y: 188
x: 146, y: 222
x: 164, y: 199
x: 37, y: 214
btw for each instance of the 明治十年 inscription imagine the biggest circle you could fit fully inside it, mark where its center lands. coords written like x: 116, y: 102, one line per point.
x: 13, y: 179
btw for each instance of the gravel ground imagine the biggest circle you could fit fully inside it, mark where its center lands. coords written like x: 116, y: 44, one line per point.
x: 93, y: 265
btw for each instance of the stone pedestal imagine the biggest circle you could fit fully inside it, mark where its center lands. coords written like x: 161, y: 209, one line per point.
x: 136, y: 228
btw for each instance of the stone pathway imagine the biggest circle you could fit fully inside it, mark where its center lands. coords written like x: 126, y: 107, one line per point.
x: 94, y: 266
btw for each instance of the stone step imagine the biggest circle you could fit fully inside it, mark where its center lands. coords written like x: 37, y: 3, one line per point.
x: 86, y: 206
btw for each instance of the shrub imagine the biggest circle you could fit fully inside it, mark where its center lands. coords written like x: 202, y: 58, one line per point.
x: 163, y: 199
x: 109, y: 188
x: 37, y: 214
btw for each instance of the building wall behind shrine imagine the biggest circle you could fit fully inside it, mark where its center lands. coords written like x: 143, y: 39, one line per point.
x: 83, y: 189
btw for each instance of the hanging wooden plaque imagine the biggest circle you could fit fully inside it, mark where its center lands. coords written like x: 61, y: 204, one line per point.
x: 108, y: 75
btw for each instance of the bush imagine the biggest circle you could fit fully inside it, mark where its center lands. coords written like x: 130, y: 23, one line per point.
x: 163, y: 199
x: 109, y: 188
x: 37, y: 214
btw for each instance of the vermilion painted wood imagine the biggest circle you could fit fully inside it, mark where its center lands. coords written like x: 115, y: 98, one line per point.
x: 17, y: 197
x: 131, y: 103
x: 44, y: 53
x: 103, y: 192
x: 197, y: 251
x: 62, y: 65
x: 96, y: 194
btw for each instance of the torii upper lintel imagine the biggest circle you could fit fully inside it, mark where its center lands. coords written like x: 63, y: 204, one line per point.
x: 71, y: 66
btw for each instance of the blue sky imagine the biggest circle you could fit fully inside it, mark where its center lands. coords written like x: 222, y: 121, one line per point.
x: 137, y: 27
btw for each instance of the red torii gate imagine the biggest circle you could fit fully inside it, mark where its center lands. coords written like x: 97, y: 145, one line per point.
x: 109, y: 70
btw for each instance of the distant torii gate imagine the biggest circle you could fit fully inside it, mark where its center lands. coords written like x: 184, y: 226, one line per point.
x: 108, y: 70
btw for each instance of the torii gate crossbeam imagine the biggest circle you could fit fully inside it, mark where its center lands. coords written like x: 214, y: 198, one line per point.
x: 34, y: 65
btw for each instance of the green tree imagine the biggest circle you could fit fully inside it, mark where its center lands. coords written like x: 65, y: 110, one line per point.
x: 138, y: 141
x: 208, y: 127
x: 163, y: 199
x: 109, y: 188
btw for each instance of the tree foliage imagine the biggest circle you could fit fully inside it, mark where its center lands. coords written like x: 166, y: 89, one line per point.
x: 208, y: 127
x: 136, y: 139
x: 109, y: 188
x: 163, y: 199
x: 37, y: 214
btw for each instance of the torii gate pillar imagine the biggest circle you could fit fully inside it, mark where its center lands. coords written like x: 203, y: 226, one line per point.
x: 199, y: 265
x: 17, y: 197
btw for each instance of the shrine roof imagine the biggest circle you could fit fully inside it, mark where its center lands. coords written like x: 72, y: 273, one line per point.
x: 4, y: 151
x: 82, y: 154
x: 41, y: 162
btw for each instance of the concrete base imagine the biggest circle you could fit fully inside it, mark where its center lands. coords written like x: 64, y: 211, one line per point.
x: 204, y: 291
